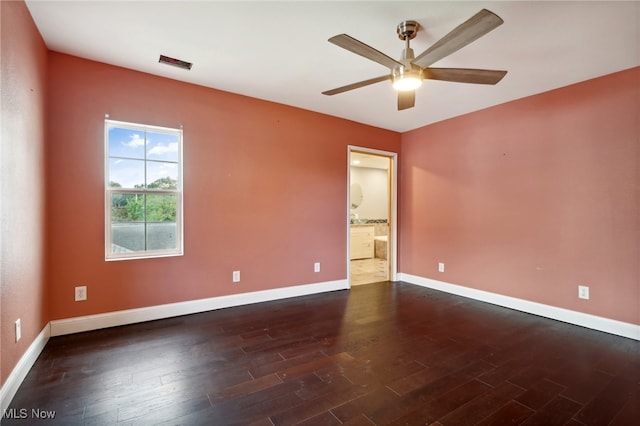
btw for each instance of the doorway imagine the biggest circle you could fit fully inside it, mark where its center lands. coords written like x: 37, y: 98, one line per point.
x: 371, y: 202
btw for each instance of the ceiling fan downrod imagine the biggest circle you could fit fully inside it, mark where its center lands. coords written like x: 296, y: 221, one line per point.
x: 407, y: 31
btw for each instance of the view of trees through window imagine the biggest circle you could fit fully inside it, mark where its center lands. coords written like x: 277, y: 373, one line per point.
x: 140, y: 207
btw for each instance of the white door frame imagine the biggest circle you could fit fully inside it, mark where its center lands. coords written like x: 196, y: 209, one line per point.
x: 393, y: 219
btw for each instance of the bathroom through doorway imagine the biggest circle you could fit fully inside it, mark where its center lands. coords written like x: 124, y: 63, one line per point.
x: 372, y: 211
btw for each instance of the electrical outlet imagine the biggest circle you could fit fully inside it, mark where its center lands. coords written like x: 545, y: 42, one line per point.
x: 583, y: 292
x: 316, y: 267
x: 440, y: 267
x: 236, y: 276
x: 81, y: 293
x: 18, y: 330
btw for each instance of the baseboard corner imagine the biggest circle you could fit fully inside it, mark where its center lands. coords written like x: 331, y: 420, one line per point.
x: 21, y: 369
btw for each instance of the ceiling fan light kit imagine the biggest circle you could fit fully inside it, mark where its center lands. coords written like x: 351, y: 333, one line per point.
x: 406, y: 79
x: 408, y: 73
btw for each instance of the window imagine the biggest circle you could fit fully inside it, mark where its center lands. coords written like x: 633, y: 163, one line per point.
x: 143, y: 191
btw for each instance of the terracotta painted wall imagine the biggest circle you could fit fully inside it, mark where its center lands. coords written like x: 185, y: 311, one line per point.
x: 265, y: 190
x: 22, y: 293
x: 531, y: 198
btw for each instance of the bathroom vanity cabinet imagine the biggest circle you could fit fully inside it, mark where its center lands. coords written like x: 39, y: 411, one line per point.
x: 362, y: 246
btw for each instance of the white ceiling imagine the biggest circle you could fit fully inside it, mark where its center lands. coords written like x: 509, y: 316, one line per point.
x: 278, y: 51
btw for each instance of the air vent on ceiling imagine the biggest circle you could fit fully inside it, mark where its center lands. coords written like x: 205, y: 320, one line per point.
x: 175, y: 62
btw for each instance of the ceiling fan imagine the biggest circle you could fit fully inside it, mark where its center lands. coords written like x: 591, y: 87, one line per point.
x: 408, y: 72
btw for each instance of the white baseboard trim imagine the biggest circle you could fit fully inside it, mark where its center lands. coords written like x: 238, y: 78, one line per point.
x: 10, y: 387
x: 624, y: 329
x: 130, y: 316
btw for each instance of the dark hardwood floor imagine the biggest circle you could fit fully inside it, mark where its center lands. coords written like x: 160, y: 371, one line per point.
x: 385, y: 354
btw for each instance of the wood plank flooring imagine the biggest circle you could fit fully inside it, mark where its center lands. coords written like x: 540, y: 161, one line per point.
x: 379, y: 354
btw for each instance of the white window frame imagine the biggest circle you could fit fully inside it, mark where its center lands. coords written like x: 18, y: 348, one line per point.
x: 178, y: 192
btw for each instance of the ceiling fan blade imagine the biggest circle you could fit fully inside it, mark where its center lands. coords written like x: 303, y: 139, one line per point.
x: 464, y: 75
x: 359, y: 48
x: 356, y: 85
x: 406, y: 99
x: 472, y: 29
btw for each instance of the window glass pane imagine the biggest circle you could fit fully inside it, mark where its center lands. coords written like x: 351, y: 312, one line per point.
x: 162, y: 175
x: 161, y: 208
x: 161, y: 236
x: 127, y: 237
x: 162, y: 146
x: 126, y: 173
x: 126, y: 143
x: 127, y: 208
